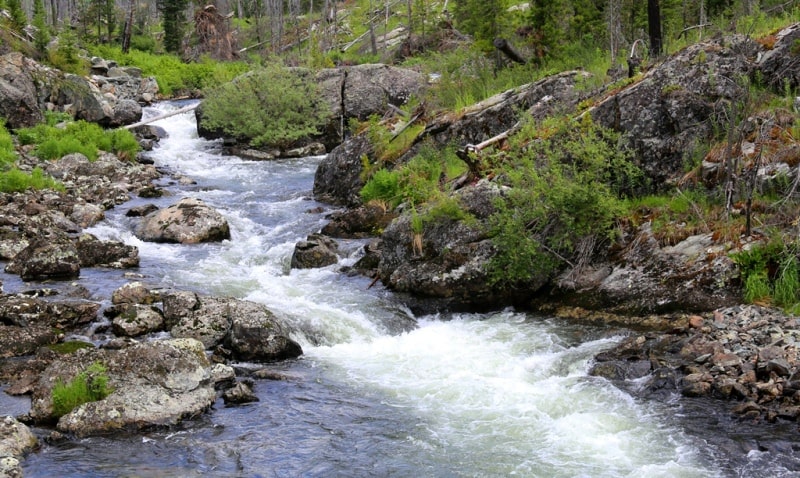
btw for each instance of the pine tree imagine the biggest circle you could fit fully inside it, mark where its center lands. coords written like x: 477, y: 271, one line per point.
x: 18, y: 18
x: 42, y: 36
x: 173, y: 18
x: 483, y: 19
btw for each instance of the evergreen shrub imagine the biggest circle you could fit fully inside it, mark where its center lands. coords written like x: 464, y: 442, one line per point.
x: 272, y: 106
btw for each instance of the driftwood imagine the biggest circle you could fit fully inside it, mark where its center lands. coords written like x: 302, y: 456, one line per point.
x: 160, y: 117
x: 506, y: 49
x: 470, y: 153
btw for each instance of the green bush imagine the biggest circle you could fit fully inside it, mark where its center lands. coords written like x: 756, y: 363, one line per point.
x: 7, y: 152
x: 88, y: 386
x: 383, y: 186
x: 566, y: 186
x: 15, y: 180
x: 79, y: 137
x: 271, y: 106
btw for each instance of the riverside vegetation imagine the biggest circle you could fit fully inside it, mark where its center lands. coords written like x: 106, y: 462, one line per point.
x: 567, y: 187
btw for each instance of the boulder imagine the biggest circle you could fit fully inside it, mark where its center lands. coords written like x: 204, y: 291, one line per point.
x: 358, y: 223
x: 780, y: 65
x: 155, y: 383
x: 645, y: 278
x: 190, y: 221
x: 137, y: 319
x: 257, y: 335
x: 240, y: 393
x: 19, y: 103
x: 674, y: 105
x: 316, y: 251
x: 133, y: 293
x: 16, y: 440
x: 125, y: 112
x: 16, y: 341
x: 47, y: 259
x: 114, y: 254
x: 248, y: 329
x: 338, y: 177
x: 21, y: 310
x: 87, y: 215
x: 449, y: 258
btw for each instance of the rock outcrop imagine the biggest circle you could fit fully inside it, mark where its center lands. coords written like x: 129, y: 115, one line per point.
x: 190, y: 221
x: 27, y: 89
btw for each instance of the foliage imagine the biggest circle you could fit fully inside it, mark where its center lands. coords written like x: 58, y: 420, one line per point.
x: 173, y: 75
x: 419, y: 181
x: 269, y: 106
x: 15, y: 180
x: 566, y: 186
x: 7, y: 152
x: 172, y: 15
x: 90, y: 385
x: 482, y: 19
x: 65, y: 56
x: 42, y: 35
x: 79, y: 137
x: 769, y: 273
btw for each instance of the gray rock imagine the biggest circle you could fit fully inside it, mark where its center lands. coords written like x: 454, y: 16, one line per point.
x: 257, y: 335
x: 154, y: 384
x: 18, y: 93
x: 316, y: 251
x: 16, y: 440
x: 189, y: 221
x: 137, y: 319
x: 133, y: 293
x: 46, y: 258
x: 115, y: 254
x: 240, y: 393
x: 780, y: 66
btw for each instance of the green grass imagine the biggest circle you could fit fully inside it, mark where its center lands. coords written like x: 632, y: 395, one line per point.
x: 88, y: 386
x: 79, y: 137
x: 72, y: 346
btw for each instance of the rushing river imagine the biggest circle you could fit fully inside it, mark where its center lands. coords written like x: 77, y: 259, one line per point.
x: 380, y: 392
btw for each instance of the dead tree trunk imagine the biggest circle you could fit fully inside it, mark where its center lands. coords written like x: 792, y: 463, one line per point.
x: 506, y: 49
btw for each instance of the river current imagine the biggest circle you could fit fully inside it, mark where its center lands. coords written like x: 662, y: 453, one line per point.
x: 379, y: 391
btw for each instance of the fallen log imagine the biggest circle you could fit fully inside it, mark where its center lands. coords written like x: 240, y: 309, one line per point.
x: 160, y: 117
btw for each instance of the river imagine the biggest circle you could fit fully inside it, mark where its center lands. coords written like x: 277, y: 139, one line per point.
x: 379, y: 391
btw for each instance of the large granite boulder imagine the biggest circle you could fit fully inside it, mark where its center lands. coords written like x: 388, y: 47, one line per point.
x: 19, y: 102
x: 248, y: 329
x: 152, y: 384
x: 16, y: 440
x: 94, y: 252
x: 27, y: 323
x: 190, y: 221
x: 47, y: 258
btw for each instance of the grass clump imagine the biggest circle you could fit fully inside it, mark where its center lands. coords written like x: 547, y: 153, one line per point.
x: 79, y: 137
x: 272, y: 106
x: 88, y: 386
x: 770, y: 274
x: 12, y: 179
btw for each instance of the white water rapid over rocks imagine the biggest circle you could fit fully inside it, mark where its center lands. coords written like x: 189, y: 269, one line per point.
x: 377, y: 392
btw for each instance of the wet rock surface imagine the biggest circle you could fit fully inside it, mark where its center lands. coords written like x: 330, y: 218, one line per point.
x: 190, y: 221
